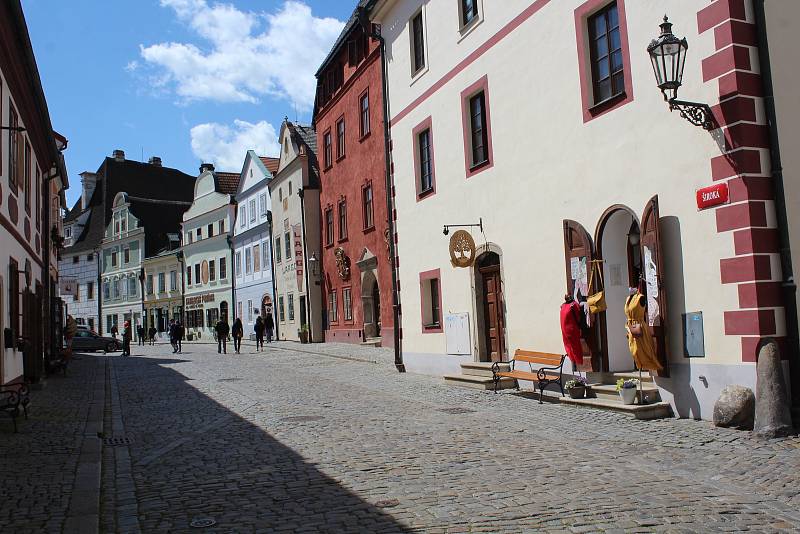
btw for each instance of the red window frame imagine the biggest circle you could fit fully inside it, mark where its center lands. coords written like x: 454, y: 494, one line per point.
x: 364, y: 119
x: 368, y: 206
x: 341, y: 133
x: 329, y: 224
x: 426, y: 276
x: 327, y: 147
x: 419, y: 129
x: 480, y: 86
x: 592, y: 109
x: 342, y: 207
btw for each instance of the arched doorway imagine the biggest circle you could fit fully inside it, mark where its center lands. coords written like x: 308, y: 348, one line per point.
x: 618, y: 241
x: 371, y: 304
x: 490, y: 308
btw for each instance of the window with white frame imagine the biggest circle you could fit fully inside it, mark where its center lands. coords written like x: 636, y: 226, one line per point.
x: 173, y: 280
x: 290, y: 299
x: 252, y: 210
x: 417, y: 28
x: 262, y: 200
x: 242, y: 217
x: 238, y: 261
x: 249, y: 311
x: 248, y: 260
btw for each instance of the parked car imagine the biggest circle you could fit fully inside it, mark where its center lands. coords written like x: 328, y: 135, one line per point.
x: 88, y: 340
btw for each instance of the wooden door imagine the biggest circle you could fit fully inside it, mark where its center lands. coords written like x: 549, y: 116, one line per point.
x: 494, y: 323
x: 653, y: 268
x: 578, y: 258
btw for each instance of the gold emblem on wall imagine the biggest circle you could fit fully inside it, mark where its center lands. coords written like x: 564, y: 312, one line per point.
x: 204, y: 271
x: 342, y: 263
x: 462, y: 249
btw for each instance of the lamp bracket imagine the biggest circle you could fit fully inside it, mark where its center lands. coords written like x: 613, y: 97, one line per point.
x: 694, y: 112
x: 448, y: 226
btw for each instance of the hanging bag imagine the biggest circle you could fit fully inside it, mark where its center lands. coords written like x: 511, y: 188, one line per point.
x: 596, y: 299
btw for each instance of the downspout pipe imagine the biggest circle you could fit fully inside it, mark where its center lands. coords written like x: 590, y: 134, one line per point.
x: 788, y: 286
x: 368, y: 28
x: 272, y: 272
x: 302, y: 193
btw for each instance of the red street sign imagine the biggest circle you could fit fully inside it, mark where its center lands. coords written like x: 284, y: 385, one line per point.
x: 713, y: 195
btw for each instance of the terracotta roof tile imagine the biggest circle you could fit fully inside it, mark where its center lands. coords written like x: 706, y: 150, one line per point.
x: 270, y: 163
x: 227, y: 182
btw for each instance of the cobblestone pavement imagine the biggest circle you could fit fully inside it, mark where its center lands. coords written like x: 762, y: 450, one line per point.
x: 290, y: 441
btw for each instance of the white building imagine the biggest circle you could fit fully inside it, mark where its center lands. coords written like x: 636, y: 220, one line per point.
x: 296, y: 235
x: 207, y: 252
x: 252, y: 241
x: 547, y: 124
x: 33, y: 178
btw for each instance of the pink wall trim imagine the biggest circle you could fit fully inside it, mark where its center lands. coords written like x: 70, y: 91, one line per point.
x: 515, y: 23
x: 590, y: 111
x: 423, y: 276
x: 466, y: 94
x: 419, y: 128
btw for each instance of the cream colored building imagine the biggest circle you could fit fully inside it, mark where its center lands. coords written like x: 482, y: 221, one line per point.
x: 163, y: 288
x: 521, y: 126
x: 295, y: 232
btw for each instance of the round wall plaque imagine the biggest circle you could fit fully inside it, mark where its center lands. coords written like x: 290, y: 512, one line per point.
x: 462, y: 249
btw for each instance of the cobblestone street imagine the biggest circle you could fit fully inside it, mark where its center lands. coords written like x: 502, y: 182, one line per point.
x: 285, y: 441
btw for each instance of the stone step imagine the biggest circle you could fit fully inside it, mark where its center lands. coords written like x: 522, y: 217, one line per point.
x: 481, y: 368
x: 658, y: 410
x: 372, y: 342
x: 609, y: 392
x: 479, y: 382
x: 611, y: 378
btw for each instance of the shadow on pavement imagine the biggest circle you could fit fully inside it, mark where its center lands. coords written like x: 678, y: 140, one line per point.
x: 193, y: 457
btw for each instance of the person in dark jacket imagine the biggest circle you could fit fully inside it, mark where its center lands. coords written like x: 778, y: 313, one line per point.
x: 180, y: 332
x: 127, y: 334
x: 237, y: 331
x: 173, y: 336
x: 140, y: 334
x: 259, y: 330
x: 269, y: 326
x: 152, y: 334
x: 223, y: 330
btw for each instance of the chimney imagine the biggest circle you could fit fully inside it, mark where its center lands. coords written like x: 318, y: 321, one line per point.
x: 155, y: 160
x: 88, y: 184
x: 119, y: 155
x: 206, y: 167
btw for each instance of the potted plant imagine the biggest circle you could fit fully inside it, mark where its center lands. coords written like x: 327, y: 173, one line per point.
x: 576, y: 387
x: 303, y: 333
x: 627, y: 389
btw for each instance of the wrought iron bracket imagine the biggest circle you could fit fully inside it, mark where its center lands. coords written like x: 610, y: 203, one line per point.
x: 448, y: 226
x: 694, y: 112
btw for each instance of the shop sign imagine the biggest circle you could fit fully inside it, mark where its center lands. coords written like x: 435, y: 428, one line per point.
x: 198, y: 300
x: 462, y: 249
x: 298, y: 256
x: 714, y: 195
x: 69, y: 287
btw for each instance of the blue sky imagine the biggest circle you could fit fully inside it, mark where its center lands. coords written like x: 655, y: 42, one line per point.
x: 186, y: 80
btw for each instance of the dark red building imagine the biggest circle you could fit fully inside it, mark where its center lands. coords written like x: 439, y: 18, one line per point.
x: 348, y: 118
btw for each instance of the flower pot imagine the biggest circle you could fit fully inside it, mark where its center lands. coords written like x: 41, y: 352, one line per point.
x: 577, y: 392
x: 303, y: 337
x: 628, y: 395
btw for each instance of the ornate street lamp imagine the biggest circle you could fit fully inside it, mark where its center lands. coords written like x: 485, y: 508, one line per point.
x: 668, y: 56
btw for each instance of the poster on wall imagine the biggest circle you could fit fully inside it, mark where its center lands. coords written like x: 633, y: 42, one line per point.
x: 456, y: 330
x: 68, y: 287
x: 651, y: 279
x: 579, y: 275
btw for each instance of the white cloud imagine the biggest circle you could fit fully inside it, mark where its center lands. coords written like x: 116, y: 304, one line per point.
x: 248, y: 55
x: 226, y: 146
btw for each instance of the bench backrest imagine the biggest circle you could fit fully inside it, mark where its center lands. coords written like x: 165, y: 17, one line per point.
x: 541, y: 358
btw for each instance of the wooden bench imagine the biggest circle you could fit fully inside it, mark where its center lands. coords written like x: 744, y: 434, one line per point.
x: 12, y: 398
x: 549, y: 372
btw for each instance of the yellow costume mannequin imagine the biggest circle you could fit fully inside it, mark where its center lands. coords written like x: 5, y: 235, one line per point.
x: 643, y: 348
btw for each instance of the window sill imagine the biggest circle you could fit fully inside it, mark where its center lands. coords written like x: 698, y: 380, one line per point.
x: 327, y: 168
x: 329, y: 245
x: 467, y: 29
x: 607, y: 104
x: 364, y: 137
x: 426, y: 193
x: 340, y: 158
x: 432, y: 329
x: 416, y: 75
x: 369, y: 229
x: 342, y: 240
x: 477, y: 166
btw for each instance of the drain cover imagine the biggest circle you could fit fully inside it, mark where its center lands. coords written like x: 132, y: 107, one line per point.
x: 388, y: 503
x: 456, y: 410
x: 235, y: 379
x: 115, y: 442
x: 302, y: 418
x: 202, y: 522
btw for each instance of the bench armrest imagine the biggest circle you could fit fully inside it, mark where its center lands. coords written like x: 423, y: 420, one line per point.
x: 540, y: 372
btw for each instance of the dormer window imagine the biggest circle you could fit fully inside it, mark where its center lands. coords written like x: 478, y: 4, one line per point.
x: 68, y: 232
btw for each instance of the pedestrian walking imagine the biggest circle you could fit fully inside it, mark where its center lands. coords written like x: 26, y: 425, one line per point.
x: 127, y: 333
x: 180, y: 332
x: 173, y: 336
x: 269, y: 326
x: 259, y: 330
x: 114, y: 330
x: 238, y: 333
x: 140, y: 334
x: 222, y: 329
x: 152, y: 334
